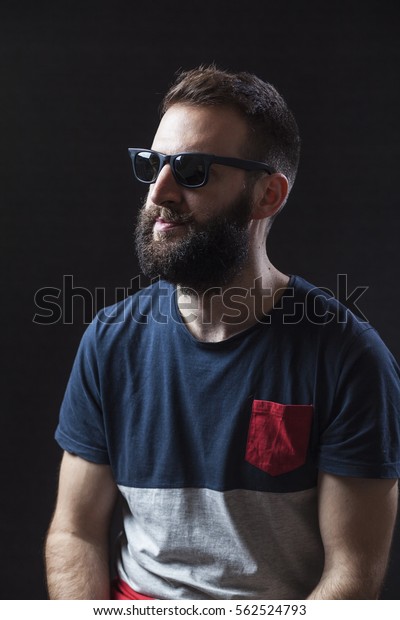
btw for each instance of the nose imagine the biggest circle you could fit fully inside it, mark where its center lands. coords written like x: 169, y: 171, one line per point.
x: 165, y: 189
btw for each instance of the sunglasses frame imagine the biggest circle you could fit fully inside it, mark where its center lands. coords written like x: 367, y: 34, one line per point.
x: 244, y: 164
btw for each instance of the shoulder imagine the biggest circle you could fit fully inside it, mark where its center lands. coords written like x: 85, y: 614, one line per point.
x: 319, y: 307
x: 146, y: 304
x: 322, y: 321
x: 121, y: 322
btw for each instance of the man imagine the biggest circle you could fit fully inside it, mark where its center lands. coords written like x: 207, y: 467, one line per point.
x: 249, y: 420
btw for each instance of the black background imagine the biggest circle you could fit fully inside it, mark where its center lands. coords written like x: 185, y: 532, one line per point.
x: 82, y: 81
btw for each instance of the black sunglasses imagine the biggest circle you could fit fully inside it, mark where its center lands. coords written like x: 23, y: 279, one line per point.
x: 189, y: 169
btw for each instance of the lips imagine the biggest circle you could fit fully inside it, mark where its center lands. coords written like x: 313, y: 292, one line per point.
x: 162, y: 225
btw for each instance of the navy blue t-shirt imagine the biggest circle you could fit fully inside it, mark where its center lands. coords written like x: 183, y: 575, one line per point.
x: 310, y: 387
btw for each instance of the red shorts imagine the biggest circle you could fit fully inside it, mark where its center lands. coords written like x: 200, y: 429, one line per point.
x: 120, y: 591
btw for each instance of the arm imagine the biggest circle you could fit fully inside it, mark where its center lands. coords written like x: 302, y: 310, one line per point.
x: 356, y: 518
x: 76, y: 549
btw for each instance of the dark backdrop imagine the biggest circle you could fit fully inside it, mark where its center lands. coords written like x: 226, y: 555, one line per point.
x: 80, y: 82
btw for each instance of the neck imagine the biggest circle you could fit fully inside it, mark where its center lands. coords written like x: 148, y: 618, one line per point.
x: 220, y: 313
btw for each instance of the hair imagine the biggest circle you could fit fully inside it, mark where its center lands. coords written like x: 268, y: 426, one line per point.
x: 273, y: 132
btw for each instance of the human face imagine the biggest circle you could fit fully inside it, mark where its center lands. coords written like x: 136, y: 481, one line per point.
x: 215, y: 130
x: 197, y: 238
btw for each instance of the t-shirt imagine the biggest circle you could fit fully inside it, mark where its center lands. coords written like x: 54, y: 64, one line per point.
x: 216, y: 446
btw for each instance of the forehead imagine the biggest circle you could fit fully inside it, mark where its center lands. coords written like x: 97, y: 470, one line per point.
x: 218, y: 130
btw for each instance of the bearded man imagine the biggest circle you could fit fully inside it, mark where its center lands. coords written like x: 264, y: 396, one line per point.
x: 249, y: 421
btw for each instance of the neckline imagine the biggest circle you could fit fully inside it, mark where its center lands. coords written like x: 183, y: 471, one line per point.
x: 260, y: 323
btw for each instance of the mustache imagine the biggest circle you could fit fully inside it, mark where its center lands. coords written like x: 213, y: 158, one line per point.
x: 168, y: 215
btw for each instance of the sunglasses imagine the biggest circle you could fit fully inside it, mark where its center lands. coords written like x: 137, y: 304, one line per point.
x: 189, y: 169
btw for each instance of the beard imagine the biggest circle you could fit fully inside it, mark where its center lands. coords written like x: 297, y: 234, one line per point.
x: 209, y: 255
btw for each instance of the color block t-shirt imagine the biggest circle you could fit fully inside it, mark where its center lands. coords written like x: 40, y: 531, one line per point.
x: 216, y: 447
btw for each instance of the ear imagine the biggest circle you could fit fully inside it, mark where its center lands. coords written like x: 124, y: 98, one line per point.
x: 270, y: 194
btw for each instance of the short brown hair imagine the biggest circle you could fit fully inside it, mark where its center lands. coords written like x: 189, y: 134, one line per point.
x: 273, y: 136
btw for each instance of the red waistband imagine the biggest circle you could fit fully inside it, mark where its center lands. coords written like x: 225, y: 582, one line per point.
x: 120, y: 591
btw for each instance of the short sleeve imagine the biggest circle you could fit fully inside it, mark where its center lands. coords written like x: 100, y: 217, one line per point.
x: 362, y: 435
x: 81, y: 425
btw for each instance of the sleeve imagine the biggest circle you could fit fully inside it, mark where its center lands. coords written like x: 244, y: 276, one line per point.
x: 361, y: 437
x: 81, y: 426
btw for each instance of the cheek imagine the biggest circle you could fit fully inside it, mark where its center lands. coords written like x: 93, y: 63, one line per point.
x: 210, y: 201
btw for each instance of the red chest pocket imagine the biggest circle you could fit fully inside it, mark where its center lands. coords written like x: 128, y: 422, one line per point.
x: 278, y: 436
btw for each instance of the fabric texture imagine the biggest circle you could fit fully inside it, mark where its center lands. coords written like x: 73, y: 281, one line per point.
x: 120, y: 591
x: 216, y: 447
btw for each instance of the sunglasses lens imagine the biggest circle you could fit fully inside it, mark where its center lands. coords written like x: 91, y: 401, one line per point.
x: 147, y: 166
x: 190, y: 170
